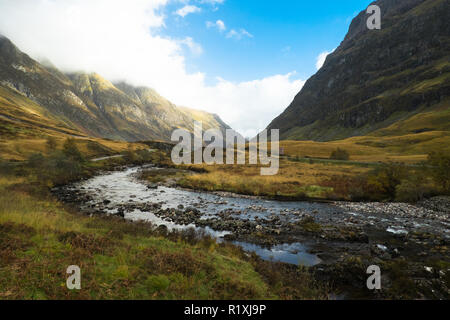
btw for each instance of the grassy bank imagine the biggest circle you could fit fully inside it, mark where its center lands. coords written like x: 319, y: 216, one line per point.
x: 293, y: 180
x: 328, y: 179
x: 40, y: 238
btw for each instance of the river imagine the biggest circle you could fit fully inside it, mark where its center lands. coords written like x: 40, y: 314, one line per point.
x: 114, y: 190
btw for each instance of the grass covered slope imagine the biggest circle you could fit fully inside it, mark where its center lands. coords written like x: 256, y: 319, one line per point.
x: 18, y: 111
x: 25, y: 127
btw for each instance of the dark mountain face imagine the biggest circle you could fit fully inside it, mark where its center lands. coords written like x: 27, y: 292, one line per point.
x: 93, y: 105
x: 376, y: 77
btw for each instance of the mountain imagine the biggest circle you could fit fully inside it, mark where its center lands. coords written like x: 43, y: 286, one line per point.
x: 377, y: 79
x: 87, y: 104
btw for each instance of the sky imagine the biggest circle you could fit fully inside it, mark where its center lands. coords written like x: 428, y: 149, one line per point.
x: 244, y: 60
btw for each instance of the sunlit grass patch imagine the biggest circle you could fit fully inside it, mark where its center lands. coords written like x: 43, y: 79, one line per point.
x: 40, y: 214
x: 294, y: 179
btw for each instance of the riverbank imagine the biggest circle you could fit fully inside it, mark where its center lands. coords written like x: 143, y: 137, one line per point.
x: 119, y: 259
x: 341, y: 236
x: 327, y: 180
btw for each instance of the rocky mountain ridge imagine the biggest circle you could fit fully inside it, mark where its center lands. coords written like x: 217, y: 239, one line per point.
x: 376, y: 78
x: 93, y: 105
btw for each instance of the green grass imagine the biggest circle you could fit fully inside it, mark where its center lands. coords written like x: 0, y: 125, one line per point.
x: 118, y: 261
x: 40, y: 238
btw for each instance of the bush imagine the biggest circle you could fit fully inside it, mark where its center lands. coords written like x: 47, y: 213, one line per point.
x: 5, y: 167
x: 71, y: 150
x: 51, y: 144
x: 439, y: 163
x: 56, y: 169
x: 62, y: 169
x: 345, y: 187
x: 383, y: 181
x: 36, y: 160
x: 411, y: 191
x: 380, y: 184
x: 340, y: 154
x: 144, y: 155
x: 130, y: 155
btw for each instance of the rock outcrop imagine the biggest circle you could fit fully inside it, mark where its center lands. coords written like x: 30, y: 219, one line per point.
x: 376, y: 77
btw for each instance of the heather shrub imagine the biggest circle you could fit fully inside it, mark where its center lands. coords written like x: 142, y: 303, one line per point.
x: 340, y: 154
x: 439, y: 163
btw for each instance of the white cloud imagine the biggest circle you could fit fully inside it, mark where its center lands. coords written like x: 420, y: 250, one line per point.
x: 195, y: 48
x: 250, y: 106
x: 183, y: 12
x: 239, y: 34
x: 321, y: 58
x: 213, y: 2
x: 219, y: 24
x: 121, y: 41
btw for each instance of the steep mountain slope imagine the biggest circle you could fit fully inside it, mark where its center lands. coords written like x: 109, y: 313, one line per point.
x: 88, y: 103
x: 376, y: 78
x: 208, y: 120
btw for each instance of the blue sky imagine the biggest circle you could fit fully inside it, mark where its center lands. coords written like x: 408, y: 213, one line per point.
x: 287, y: 35
x: 244, y: 60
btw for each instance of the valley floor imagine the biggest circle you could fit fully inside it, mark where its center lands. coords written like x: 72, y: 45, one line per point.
x: 336, y: 241
x: 41, y: 236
